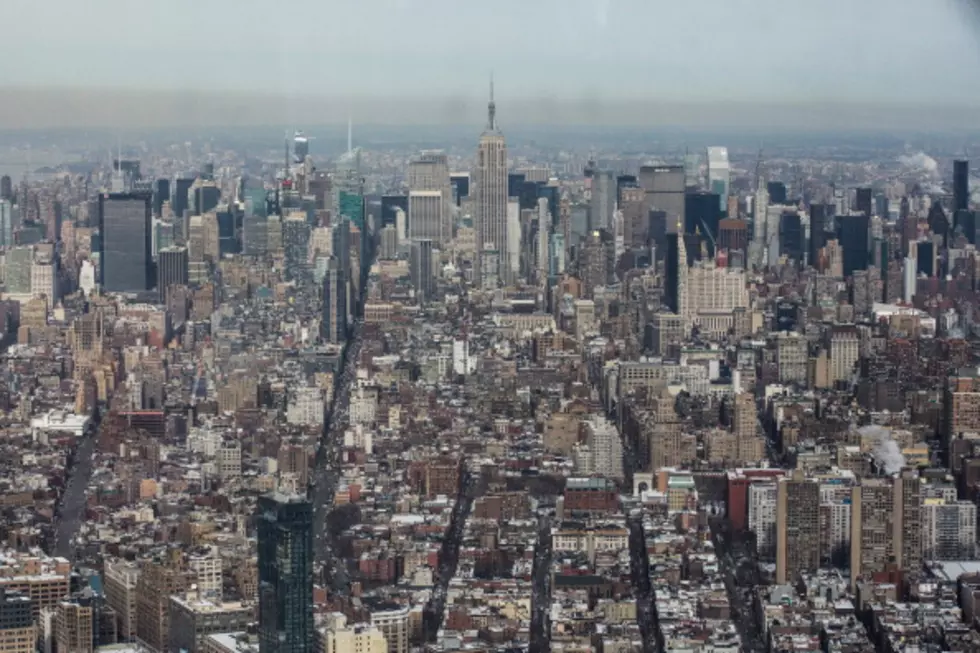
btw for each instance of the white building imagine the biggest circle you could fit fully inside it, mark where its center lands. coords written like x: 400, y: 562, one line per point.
x: 306, y: 406
x: 228, y: 460
x: 205, y: 566
x: 425, y: 215
x: 605, y: 448
x: 762, y: 518
x: 339, y: 637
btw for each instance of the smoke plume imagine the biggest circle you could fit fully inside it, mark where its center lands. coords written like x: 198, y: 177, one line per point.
x: 884, y: 449
x: 922, y: 163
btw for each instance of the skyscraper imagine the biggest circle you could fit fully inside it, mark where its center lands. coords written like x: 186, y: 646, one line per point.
x: 333, y: 323
x: 854, y: 234
x: 429, y: 172
x: 719, y: 174
x: 172, y: 269
x: 603, y: 201
x: 961, y: 185
x: 426, y: 210
x: 797, y: 528
x: 491, y: 197
x: 285, y: 542
x: 126, y: 250
x: 421, y: 270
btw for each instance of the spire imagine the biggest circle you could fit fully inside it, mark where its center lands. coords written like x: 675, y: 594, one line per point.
x: 491, y: 109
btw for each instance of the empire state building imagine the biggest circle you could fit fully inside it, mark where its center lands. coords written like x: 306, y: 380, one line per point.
x: 492, y: 250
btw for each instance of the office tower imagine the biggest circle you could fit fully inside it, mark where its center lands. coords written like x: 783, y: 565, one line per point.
x: 886, y: 525
x: 854, y: 234
x: 429, y: 172
x: 792, y: 236
x: 161, y: 194
x: 203, y: 196
x: 762, y: 499
x: 490, y: 223
x: 719, y: 175
x: 350, y: 204
x: 202, y: 238
x: 713, y: 293
x: 961, y: 185
x: 285, y: 543
x: 907, y: 531
x: 179, y: 202
x: 172, y: 266
x: 389, y: 243
x: 665, y: 191
x: 301, y: 147
x: 636, y: 221
x: 702, y: 216
x: 164, y: 235
x: 421, y: 262
x: 949, y: 529
x: 515, y: 183
x: 425, y: 215
x: 6, y: 223
x: 675, y: 265
x: 44, y: 278
x: 389, y: 205
x: 863, y: 201
x: 227, y: 218
x: 255, y: 235
x: 120, y: 580
x: 603, y: 201
x: 543, y: 257
x: 797, y: 528
x: 692, y: 170
x: 777, y: 192
x: 125, y: 253
x: 556, y: 264
x: 18, y: 263
x: 74, y: 627
x: 17, y: 631
x: 6, y: 188
x: 925, y: 257
x: 296, y: 245
x: 333, y: 324
x: 460, y: 182
x: 733, y: 234
x: 157, y: 581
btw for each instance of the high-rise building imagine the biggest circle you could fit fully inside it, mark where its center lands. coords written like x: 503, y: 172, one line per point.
x: 181, y: 188
x: 665, y: 191
x: 429, y: 173
x: 285, y: 543
x: 675, y: 266
x: 389, y: 203
x: 296, y: 245
x: 797, y: 528
x: 6, y: 188
x: 420, y: 265
x: 460, y: 182
x: 6, y: 223
x: 949, y: 529
x: 193, y: 617
x: 339, y: 637
x: 126, y: 250
x: 792, y: 236
x: 719, y: 175
x: 762, y: 500
x: 886, y: 525
x: 490, y: 222
x: 203, y: 196
x: 17, y: 630
x: 158, y: 580
x: 394, y: 624
x: 255, y: 235
x: 864, y: 201
x: 854, y: 235
x: 426, y: 215
x: 961, y: 186
x: 733, y: 234
x: 333, y: 323
x: 172, y: 269
x: 161, y: 194
x: 74, y: 627
x: 777, y: 192
x: 603, y: 202
x: 120, y: 580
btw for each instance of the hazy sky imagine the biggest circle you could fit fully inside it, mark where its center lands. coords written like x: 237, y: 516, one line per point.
x: 593, y: 50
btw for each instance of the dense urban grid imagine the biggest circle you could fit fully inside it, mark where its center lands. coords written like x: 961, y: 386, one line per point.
x: 545, y: 399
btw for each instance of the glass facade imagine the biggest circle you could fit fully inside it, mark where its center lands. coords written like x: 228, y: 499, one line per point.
x: 126, y: 249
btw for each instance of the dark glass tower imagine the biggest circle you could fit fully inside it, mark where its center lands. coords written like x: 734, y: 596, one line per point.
x: 388, y: 205
x: 961, y: 185
x: 777, y: 192
x: 461, y: 184
x: 672, y: 272
x: 285, y: 534
x: 864, y: 201
x: 126, y: 250
x: 179, y: 201
x: 854, y: 237
x: 161, y: 194
x: 702, y: 214
x: 791, y: 236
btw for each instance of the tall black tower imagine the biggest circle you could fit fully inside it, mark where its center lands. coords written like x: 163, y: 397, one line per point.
x: 961, y: 185
x: 285, y: 534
